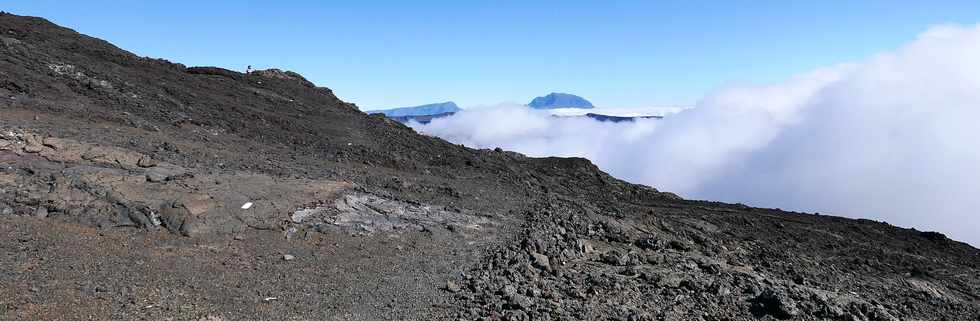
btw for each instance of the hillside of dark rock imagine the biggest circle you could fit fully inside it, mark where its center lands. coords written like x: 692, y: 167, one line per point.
x: 138, y: 188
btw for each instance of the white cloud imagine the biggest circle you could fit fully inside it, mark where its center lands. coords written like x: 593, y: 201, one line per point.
x: 895, y: 137
x: 537, y: 133
x: 619, y: 112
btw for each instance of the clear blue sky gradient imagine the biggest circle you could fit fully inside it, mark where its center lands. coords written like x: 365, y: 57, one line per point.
x: 615, y: 53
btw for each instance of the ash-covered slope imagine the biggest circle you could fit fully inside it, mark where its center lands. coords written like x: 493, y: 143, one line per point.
x: 137, y: 188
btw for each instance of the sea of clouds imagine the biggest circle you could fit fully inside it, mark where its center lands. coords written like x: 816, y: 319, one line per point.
x: 894, y: 138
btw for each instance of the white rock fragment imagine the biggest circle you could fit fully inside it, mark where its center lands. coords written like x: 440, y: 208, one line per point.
x: 288, y: 257
x: 300, y: 215
x: 247, y: 205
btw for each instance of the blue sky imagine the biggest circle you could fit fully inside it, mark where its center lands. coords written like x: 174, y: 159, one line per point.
x: 615, y: 53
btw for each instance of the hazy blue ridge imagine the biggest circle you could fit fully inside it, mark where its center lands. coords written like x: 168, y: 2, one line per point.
x: 559, y: 100
x: 423, y: 110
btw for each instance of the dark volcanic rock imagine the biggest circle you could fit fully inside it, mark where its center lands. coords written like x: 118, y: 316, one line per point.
x: 215, y: 71
x: 283, y: 75
x: 774, y: 304
x: 382, y: 220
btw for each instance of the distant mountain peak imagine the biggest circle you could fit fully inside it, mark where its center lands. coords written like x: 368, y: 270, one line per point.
x: 422, y: 110
x: 559, y: 100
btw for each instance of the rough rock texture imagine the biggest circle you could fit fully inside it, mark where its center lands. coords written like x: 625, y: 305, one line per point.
x: 576, y: 261
x: 283, y: 75
x: 136, y: 188
x: 110, y: 186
